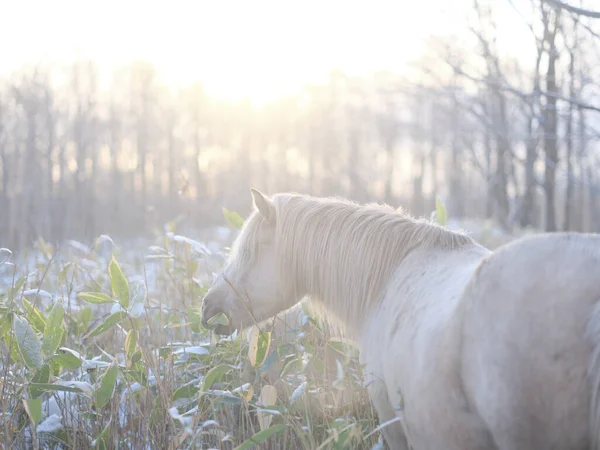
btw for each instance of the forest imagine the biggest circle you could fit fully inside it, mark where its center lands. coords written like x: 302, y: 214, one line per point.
x: 498, y: 137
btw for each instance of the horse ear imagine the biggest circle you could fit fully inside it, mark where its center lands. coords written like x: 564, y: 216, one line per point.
x: 264, y: 205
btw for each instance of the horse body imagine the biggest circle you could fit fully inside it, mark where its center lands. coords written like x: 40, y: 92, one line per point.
x: 530, y: 343
x: 474, y: 350
x: 464, y: 349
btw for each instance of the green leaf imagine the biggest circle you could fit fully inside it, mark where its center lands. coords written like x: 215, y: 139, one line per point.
x: 245, y: 391
x: 83, y: 320
x: 138, y: 373
x: 95, y: 298
x: 261, y: 436
x: 186, y: 391
x: 138, y: 299
x: 215, y: 374
x: 107, y: 387
x: 233, y: 218
x: 440, y: 212
x: 5, y: 323
x: 72, y: 352
x: 54, y: 367
x: 219, y: 319
x: 28, y: 343
x: 110, y: 322
x: 41, y: 376
x: 34, y: 316
x: 33, y: 407
x: 195, y: 319
x: 137, y: 356
x: 260, y: 341
x: 165, y: 352
x: 101, y: 439
x: 54, y: 330
x: 131, y: 343
x: 67, y: 360
x: 9, y: 339
x: 119, y: 283
x: 55, y: 387
x: 16, y: 288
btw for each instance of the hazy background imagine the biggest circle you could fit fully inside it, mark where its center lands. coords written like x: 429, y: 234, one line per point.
x: 120, y: 117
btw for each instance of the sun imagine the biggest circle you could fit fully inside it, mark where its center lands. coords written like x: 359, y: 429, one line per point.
x: 263, y: 49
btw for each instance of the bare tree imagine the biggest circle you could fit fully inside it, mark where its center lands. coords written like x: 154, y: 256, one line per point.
x: 551, y: 19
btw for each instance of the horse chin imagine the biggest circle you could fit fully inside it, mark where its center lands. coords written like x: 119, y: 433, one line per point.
x: 224, y: 330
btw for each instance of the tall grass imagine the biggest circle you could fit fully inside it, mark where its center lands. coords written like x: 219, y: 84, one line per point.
x: 102, y: 347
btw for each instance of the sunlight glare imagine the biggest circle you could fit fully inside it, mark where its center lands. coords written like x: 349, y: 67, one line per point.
x: 257, y: 50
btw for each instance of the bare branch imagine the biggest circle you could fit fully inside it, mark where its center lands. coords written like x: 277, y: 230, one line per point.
x: 575, y: 9
x: 504, y: 86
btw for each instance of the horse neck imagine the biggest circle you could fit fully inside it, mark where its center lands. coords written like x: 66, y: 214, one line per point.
x: 346, y: 269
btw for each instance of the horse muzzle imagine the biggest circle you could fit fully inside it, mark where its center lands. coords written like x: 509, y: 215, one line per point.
x: 208, y: 312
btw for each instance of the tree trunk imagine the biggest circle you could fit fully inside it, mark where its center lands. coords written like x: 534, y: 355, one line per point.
x: 502, y: 154
x: 551, y: 150
x: 551, y: 132
x: 569, y: 156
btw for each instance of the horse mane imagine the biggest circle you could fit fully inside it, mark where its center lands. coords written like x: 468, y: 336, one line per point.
x: 346, y: 252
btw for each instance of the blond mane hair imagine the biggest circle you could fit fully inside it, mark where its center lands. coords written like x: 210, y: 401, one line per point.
x: 341, y: 253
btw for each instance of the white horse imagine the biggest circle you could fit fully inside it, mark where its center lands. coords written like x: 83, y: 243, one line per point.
x: 465, y: 349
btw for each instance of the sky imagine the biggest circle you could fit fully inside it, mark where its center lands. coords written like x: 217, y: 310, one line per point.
x: 259, y: 49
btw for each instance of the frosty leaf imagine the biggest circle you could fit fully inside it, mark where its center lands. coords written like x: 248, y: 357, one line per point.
x: 83, y: 386
x: 34, y: 316
x: 246, y: 391
x: 215, y: 374
x: 33, y: 407
x: 41, y: 376
x: 298, y: 392
x: 28, y: 343
x: 67, y: 360
x: 50, y: 425
x: 54, y: 330
x: 37, y: 292
x: 55, y: 387
x: 5, y: 255
x: 138, y: 299
x: 110, y: 322
x: 187, y: 391
x: 107, y: 387
x: 195, y: 350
